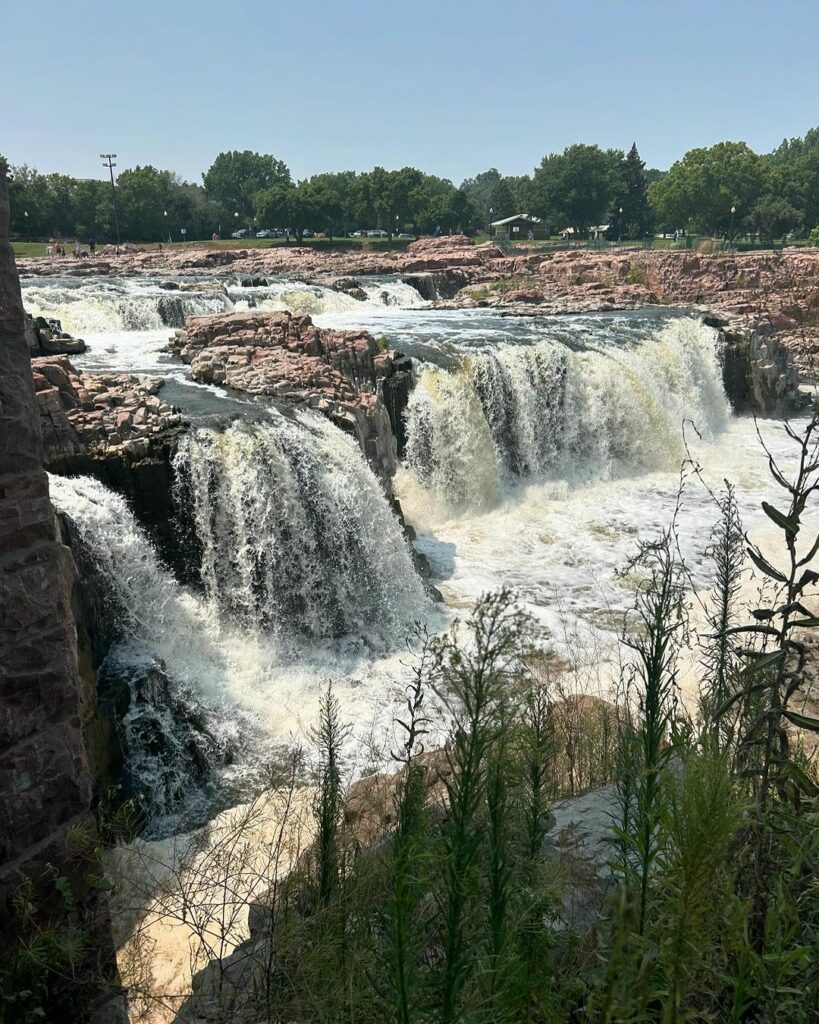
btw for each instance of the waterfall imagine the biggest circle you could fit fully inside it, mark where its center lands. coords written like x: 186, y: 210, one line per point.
x: 101, y: 306
x: 167, y: 667
x: 295, y: 532
x: 92, y: 306
x: 298, y: 545
x: 545, y: 411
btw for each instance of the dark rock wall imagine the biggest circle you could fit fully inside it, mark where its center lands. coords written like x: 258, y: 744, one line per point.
x: 45, y: 783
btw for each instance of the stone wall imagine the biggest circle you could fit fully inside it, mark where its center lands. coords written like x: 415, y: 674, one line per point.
x: 45, y: 784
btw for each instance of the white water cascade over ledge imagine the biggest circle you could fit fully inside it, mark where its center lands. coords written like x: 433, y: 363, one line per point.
x: 307, y: 576
x: 548, y: 412
x: 106, y: 308
x: 539, y: 451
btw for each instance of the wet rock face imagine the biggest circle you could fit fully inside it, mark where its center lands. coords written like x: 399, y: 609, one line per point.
x: 45, y: 783
x: 284, y: 356
x: 116, y: 427
x: 47, y: 337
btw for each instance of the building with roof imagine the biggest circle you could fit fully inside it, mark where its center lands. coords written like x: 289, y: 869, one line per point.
x: 518, y: 226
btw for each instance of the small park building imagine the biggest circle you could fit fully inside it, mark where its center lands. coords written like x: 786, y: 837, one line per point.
x: 518, y: 227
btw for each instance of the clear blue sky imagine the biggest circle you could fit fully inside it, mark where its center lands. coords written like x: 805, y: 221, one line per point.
x: 451, y: 86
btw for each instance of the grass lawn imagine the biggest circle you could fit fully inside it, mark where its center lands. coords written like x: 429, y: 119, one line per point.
x: 363, y: 244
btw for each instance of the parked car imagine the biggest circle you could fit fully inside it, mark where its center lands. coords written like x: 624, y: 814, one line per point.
x: 307, y: 233
x: 266, y: 233
x: 377, y: 233
x: 358, y: 234
x: 241, y: 233
x: 405, y: 235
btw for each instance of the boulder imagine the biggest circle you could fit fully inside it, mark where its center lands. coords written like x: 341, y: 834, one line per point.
x: 47, y: 337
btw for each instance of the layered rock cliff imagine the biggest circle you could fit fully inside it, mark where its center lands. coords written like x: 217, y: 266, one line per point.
x: 286, y: 357
x: 46, y: 829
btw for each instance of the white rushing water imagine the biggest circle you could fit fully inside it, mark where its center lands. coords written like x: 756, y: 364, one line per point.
x: 296, y: 535
x: 307, y: 577
x: 544, y: 411
x: 127, y: 321
x: 540, y: 451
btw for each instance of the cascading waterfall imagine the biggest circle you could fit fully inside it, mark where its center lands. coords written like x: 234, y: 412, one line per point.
x: 178, y: 732
x: 545, y: 411
x: 106, y: 307
x: 298, y: 541
x: 295, y: 532
x: 92, y: 306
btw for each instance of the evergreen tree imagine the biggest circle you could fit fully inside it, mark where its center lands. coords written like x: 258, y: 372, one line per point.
x: 632, y: 198
x: 503, y: 200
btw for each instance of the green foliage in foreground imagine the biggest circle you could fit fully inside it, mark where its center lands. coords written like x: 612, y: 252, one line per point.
x: 436, y: 896
x: 711, y: 910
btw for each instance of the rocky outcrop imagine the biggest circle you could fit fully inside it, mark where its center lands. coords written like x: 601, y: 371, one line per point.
x: 758, y: 371
x: 772, y: 296
x: 46, y: 829
x: 286, y: 357
x: 47, y: 337
x: 99, y: 416
x: 116, y: 427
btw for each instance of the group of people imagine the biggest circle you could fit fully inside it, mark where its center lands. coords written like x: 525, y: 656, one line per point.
x: 58, y: 249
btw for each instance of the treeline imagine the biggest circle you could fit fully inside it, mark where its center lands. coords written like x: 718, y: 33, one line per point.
x: 726, y: 189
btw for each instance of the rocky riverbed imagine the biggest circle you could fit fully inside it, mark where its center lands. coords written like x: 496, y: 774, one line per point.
x: 771, y: 296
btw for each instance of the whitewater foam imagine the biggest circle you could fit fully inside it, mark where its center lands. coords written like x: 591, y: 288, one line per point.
x: 548, y: 412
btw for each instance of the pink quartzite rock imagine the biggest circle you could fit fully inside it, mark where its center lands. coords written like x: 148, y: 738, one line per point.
x: 99, y: 415
x: 288, y: 358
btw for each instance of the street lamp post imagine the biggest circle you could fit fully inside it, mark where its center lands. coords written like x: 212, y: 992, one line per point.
x: 620, y: 227
x: 731, y: 235
x: 489, y: 225
x: 28, y: 236
x: 108, y: 161
x: 236, y: 219
x: 165, y: 215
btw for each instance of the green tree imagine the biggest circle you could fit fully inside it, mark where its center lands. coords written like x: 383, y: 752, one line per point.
x: 234, y: 178
x: 272, y: 206
x: 632, y: 197
x: 503, y: 200
x: 701, y: 188
x: 575, y: 188
x: 152, y: 204
x: 332, y: 196
x: 521, y: 186
x: 479, y: 191
x: 27, y: 194
x: 773, y: 216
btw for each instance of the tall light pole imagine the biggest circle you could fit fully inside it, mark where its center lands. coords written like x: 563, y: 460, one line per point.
x: 108, y: 161
x: 489, y: 225
x: 731, y: 235
x: 28, y: 236
x: 620, y: 227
